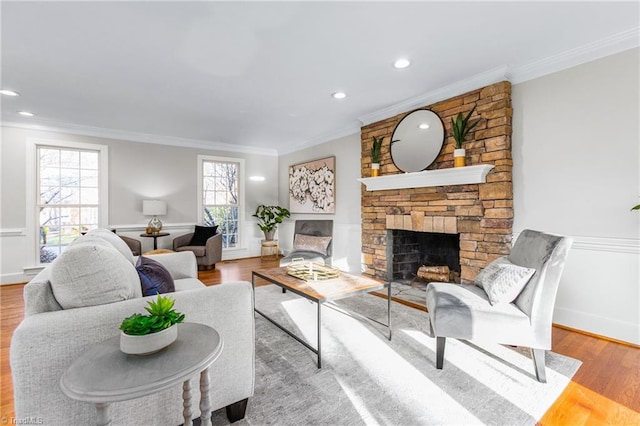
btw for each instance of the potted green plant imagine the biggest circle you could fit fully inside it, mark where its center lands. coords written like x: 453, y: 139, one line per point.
x: 461, y: 128
x: 376, y: 149
x: 145, y: 334
x: 269, y: 217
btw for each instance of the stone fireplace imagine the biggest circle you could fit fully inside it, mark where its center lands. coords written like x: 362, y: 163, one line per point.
x: 480, y: 215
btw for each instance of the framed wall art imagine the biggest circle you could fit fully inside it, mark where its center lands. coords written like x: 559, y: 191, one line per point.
x: 312, y: 186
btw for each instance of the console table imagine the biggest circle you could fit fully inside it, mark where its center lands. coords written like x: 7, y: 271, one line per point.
x: 104, y: 374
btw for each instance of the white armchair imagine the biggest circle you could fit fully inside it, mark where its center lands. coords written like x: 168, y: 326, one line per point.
x: 466, y: 312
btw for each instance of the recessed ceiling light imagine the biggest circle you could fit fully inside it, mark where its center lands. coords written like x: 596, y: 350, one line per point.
x: 401, y: 63
x: 26, y: 113
x: 257, y: 178
x: 423, y: 126
x: 339, y: 95
x: 9, y: 92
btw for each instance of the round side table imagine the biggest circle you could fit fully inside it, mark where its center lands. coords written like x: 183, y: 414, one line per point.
x: 104, y: 374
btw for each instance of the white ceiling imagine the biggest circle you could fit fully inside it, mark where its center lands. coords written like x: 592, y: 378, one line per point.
x: 258, y: 76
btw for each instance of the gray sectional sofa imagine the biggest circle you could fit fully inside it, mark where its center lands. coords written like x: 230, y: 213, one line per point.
x: 94, y: 279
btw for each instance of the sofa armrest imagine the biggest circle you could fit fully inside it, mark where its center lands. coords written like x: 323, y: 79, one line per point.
x: 180, y: 265
x: 182, y: 240
x: 44, y: 345
x: 213, y: 249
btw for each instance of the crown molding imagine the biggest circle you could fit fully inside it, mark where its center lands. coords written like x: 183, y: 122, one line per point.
x: 607, y: 46
x: 472, y: 83
x: 351, y: 129
x: 77, y: 129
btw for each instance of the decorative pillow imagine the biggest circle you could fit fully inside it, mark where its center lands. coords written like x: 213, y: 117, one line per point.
x: 489, y: 270
x: 89, y: 274
x: 113, y: 239
x: 311, y: 243
x: 154, y: 278
x: 506, y: 283
x: 202, y: 234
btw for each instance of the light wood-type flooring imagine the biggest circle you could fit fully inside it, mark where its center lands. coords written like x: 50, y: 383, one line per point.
x: 605, y: 390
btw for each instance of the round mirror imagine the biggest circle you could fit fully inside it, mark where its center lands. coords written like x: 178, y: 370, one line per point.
x: 417, y: 140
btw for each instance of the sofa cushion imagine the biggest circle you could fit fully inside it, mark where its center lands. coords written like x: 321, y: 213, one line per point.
x: 188, y: 284
x: 202, y: 234
x: 92, y: 273
x: 311, y: 243
x: 113, y: 239
x: 154, y: 278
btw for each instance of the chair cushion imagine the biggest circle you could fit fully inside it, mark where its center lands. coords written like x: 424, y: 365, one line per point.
x: 202, y: 234
x: 199, y: 251
x: 489, y: 270
x: 154, y: 278
x: 504, y: 281
x: 464, y: 312
x: 93, y: 273
x: 311, y: 243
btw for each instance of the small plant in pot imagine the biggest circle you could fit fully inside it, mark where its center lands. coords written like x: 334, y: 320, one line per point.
x: 376, y: 150
x: 145, y: 334
x: 461, y: 128
x: 269, y: 217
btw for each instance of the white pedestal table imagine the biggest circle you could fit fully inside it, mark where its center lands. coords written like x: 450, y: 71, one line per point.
x: 104, y: 374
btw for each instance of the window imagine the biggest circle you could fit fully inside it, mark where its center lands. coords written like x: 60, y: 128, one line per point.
x: 221, y: 188
x: 70, y: 195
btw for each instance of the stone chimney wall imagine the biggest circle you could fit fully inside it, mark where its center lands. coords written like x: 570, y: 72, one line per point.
x: 481, y: 213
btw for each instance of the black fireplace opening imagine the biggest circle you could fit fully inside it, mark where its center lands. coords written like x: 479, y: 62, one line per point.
x: 409, y: 250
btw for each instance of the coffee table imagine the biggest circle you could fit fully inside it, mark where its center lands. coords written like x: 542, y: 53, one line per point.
x: 104, y: 374
x: 321, y: 292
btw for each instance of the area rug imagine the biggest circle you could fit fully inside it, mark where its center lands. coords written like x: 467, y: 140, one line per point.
x: 366, y: 379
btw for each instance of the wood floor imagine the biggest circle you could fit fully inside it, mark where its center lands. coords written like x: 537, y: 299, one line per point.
x: 604, y: 391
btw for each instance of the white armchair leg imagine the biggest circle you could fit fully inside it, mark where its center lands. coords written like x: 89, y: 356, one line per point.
x: 440, y: 341
x: 538, y: 356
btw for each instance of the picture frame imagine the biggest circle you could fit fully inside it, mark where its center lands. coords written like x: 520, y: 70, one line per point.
x: 312, y: 186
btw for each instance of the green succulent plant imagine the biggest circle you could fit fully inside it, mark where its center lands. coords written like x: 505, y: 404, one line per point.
x: 161, y: 316
x: 376, y: 149
x: 461, y: 127
x: 636, y: 207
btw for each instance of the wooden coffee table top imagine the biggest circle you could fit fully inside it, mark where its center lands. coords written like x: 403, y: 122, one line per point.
x: 322, y: 290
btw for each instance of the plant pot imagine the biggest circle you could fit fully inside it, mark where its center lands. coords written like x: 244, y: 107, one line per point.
x: 149, y: 343
x: 458, y: 157
x: 375, y: 169
x: 268, y: 235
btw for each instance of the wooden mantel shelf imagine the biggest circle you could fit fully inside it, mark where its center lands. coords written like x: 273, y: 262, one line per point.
x: 440, y: 177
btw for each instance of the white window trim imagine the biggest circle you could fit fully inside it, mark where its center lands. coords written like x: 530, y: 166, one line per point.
x: 241, y: 211
x: 32, y: 195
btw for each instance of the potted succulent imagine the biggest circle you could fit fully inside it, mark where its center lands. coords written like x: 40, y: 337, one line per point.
x: 461, y: 128
x: 145, y: 334
x: 268, y: 219
x: 376, y: 149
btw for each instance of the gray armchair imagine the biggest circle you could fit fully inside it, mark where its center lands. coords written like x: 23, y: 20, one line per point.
x: 207, y: 255
x: 134, y: 245
x: 466, y: 312
x: 311, y: 249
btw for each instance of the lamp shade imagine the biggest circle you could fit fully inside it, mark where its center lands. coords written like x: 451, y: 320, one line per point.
x: 154, y: 207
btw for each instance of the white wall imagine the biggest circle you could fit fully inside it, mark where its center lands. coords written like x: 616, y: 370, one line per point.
x: 576, y: 153
x: 137, y: 171
x: 347, y: 219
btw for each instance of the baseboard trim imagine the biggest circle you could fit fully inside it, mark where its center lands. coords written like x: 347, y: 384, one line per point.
x: 597, y: 336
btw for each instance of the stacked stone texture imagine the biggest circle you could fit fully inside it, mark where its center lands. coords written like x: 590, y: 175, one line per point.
x: 481, y: 213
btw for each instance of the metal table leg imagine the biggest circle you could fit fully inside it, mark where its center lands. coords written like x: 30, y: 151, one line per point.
x: 319, y: 336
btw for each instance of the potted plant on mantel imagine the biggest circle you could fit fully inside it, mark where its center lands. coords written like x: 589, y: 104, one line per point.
x: 146, y: 334
x: 461, y: 128
x: 269, y: 217
x: 376, y: 150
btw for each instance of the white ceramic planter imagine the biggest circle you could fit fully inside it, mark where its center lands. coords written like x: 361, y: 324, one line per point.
x: 148, y: 344
x: 458, y: 157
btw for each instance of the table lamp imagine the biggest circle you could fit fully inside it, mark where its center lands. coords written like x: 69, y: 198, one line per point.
x: 154, y: 208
